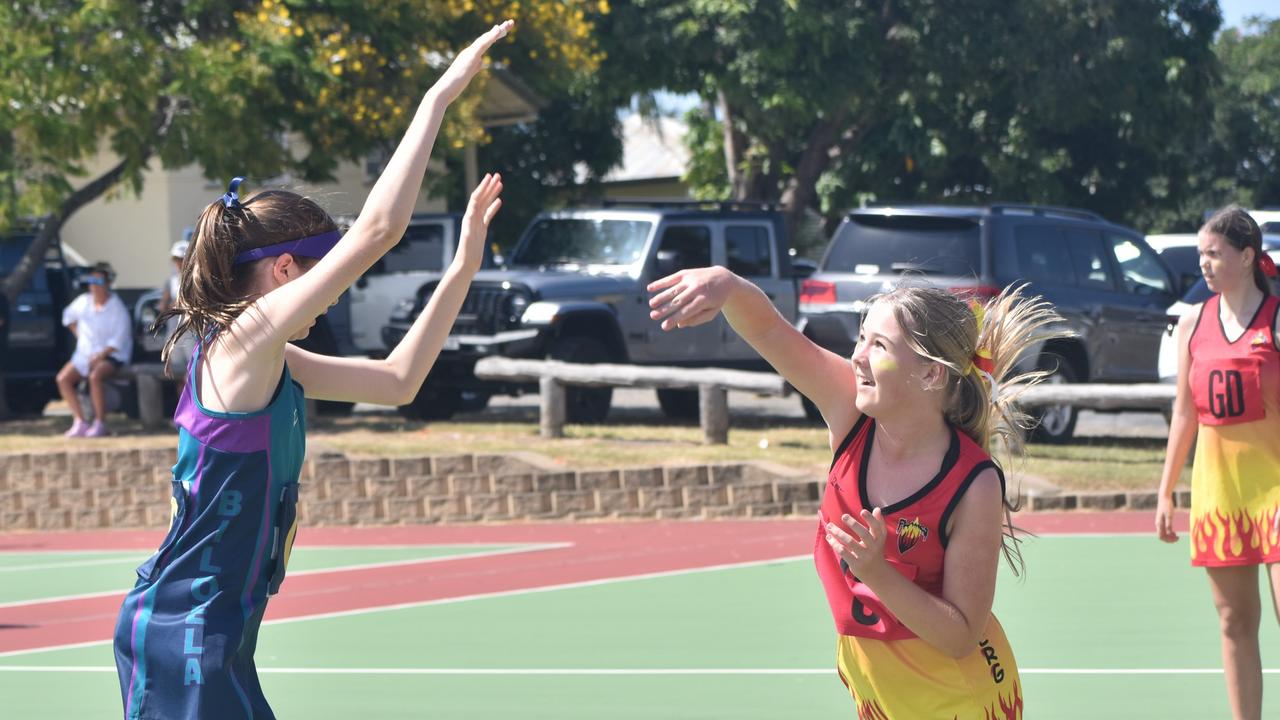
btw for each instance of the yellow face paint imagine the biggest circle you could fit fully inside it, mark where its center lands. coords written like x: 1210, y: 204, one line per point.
x: 884, y: 363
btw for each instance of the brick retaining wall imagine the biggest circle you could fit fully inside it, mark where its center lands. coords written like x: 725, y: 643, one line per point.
x: 131, y: 488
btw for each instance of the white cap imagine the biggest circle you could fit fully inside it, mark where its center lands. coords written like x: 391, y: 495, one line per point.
x: 179, y: 249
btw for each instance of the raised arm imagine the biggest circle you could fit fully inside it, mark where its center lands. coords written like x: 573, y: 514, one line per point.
x: 395, y: 380
x: 293, y: 306
x: 693, y: 297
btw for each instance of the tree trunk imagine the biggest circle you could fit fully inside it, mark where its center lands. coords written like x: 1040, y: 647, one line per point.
x: 50, y: 229
x: 801, y: 189
x: 739, y: 176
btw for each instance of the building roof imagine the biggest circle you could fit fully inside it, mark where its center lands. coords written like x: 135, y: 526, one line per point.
x: 652, y: 149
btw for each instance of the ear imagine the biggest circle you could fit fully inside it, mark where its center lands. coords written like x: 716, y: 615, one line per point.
x: 1250, y: 257
x: 285, y: 268
x: 934, y: 377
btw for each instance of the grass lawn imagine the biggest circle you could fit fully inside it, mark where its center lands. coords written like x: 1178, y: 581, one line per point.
x: 1092, y: 464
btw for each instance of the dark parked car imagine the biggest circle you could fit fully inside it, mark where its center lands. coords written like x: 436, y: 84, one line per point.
x: 1108, y: 284
x: 38, y: 344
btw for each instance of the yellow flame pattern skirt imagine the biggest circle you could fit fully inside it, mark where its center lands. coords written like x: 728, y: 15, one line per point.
x: 913, y: 680
x: 1235, y: 493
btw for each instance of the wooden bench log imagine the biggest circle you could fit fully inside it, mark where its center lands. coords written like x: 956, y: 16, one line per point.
x: 712, y: 385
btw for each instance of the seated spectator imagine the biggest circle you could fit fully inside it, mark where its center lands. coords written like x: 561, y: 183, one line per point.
x: 104, y: 343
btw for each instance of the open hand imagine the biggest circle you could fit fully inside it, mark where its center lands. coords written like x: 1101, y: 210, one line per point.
x: 690, y: 297
x: 861, y: 547
x: 467, y: 64
x: 481, y: 209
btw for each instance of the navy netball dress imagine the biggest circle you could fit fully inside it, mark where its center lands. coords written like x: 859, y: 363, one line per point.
x: 186, y: 634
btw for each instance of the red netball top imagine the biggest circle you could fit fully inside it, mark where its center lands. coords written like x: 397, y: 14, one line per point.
x: 916, y: 542
x: 1227, y: 376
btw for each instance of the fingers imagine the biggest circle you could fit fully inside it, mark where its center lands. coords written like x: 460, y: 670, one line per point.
x: 695, y: 313
x: 492, y: 211
x: 495, y: 33
x: 665, y: 296
x: 666, y: 282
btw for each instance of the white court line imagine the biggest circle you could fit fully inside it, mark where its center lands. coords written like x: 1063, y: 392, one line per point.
x: 622, y: 671
x: 77, y: 563
x: 340, y: 568
x: 466, y: 598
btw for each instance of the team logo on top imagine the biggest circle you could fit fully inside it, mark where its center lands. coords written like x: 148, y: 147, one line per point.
x: 910, y: 534
x: 1259, y: 339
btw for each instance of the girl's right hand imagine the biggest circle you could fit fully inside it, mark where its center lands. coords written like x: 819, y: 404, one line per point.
x: 1164, y: 520
x: 690, y: 297
x: 484, y: 204
x: 467, y: 64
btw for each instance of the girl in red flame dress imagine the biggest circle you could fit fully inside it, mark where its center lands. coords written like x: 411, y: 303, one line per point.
x: 914, y: 515
x: 1229, y: 401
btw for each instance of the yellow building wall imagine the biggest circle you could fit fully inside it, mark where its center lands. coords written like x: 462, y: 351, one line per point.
x: 134, y: 232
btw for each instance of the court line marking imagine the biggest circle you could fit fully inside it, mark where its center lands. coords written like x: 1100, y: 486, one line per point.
x: 316, y: 571
x: 467, y: 598
x: 128, y: 554
x: 622, y: 671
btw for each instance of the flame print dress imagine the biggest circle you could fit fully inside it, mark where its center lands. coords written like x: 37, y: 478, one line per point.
x: 891, y: 673
x: 1235, y: 480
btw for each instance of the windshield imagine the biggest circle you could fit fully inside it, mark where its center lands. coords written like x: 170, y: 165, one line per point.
x: 892, y: 244
x: 572, y: 241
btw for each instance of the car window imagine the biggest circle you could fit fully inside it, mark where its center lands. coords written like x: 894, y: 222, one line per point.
x: 555, y: 241
x: 691, y: 242
x: 748, y: 249
x: 1089, y: 259
x: 1183, y: 260
x: 1142, y: 272
x: 886, y: 244
x: 1043, y: 258
x: 11, y: 251
x: 421, y: 248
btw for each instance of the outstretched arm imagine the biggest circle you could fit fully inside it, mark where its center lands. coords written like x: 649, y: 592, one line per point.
x: 395, y: 380
x: 693, y: 297
x: 293, y: 306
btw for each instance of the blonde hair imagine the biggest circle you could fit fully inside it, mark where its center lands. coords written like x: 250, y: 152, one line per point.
x: 945, y: 328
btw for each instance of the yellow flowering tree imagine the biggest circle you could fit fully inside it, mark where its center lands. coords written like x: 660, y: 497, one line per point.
x: 221, y: 83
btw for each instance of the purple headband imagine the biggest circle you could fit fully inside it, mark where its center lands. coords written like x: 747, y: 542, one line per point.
x: 314, y: 246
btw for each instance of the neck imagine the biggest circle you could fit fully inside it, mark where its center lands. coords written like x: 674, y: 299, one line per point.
x: 903, y: 437
x: 1242, y: 300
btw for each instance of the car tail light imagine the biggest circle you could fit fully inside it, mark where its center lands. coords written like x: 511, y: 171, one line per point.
x: 817, y: 292
x: 981, y: 293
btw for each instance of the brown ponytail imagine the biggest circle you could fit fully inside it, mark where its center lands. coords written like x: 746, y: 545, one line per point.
x: 212, y: 289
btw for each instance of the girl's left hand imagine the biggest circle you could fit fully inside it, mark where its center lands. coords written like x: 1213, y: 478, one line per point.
x: 465, y: 66
x: 481, y: 209
x: 863, y: 550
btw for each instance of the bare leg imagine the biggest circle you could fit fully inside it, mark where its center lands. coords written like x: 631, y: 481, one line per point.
x: 1235, y: 594
x: 98, y: 377
x: 68, y: 379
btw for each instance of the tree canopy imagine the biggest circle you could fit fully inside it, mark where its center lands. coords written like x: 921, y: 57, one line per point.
x: 221, y: 84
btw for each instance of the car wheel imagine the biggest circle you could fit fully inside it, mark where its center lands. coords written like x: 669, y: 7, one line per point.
x: 586, y: 405
x: 1056, y: 423
x: 433, y: 402
x: 678, y: 404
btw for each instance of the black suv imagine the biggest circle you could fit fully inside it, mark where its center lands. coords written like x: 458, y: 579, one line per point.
x: 38, y: 343
x: 1108, y: 284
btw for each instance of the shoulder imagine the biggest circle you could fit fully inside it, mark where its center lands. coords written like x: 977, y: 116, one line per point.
x: 978, y: 501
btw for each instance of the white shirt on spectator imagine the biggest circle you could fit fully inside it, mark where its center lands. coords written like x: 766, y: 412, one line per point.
x: 98, y: 329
